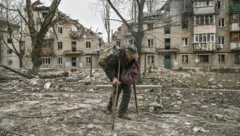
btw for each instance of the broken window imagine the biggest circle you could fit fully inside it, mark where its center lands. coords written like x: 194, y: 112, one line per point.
x: 74, y: 46
x: 185, y: 41
x: 221, y: 58
x: 150, y: 42
x: 59, y: 45
x: 131, y: 41
x: 74, y: 28
x: 118, y: 43
x: 48, y: 43
x: 203, y: 58
x: 184, y: 58
x: 88, y: 44
x: 9, y: 51
x: 237, y: 58
x: 59, y: 60
x: 150, y: 26
x: 74, y: 61
x: 220, y: 5
x: 60, y: 31
x: 150, y: 58
x: 167, y: 43
x: 184, y: 23
x: 10, y: 62
x: 221, y: 22
x: 46, y: 60
x: 167, y: 29
x: 88, y: 59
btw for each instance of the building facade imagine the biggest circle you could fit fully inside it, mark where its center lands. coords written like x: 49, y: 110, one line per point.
x: 68, y: 44
x: 189, y: 34
x: 9, y: 44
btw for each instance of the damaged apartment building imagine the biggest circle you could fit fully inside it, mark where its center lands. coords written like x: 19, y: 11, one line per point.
x: 67, y: 45
x: 9, y: 45
x: 189, y: 34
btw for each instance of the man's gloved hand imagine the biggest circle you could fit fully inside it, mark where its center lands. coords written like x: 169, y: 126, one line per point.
x: 115, y: 81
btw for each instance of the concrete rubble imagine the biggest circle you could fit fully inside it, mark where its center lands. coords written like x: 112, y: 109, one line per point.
x: 70, y: 103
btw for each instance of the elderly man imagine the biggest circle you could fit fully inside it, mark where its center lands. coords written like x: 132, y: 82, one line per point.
x: 127, y: 57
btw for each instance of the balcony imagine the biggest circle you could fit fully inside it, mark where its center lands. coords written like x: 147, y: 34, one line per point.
x: 235, y: 27
x: 76, y: 35
x: 49, y: 35
x: 204, y: 10
x: 204, y: 47
x: 234, y: 8
x: 170, y: 50
x: 148, y: 49
x: 71, y: 52
x: 46, y: 51
x: 235, y: 46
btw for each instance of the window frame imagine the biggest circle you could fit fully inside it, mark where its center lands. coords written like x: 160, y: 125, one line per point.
x: 46, y: 60
x: 59, y: 60
x: 74, y: 46
x: 60, y: 45
x: 185, y: 41
x: 221, y: 22
x: 150, y: 43
x: 88, y: 45
x: 88, y: 59
x: 221, y: 58
x: 60, y: 30
x: 203, y: 58
x: 150, y: 59
x: 185, y: 58
x: 221, y: 40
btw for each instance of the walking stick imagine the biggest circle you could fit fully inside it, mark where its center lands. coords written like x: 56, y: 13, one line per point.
x: 135, y: 95
x: 115, y: 98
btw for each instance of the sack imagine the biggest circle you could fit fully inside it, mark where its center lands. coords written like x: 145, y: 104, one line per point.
x: 128, y: 76
x: 104, y: 56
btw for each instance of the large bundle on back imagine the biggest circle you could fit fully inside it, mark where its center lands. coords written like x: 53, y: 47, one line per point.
x: 105, y: 55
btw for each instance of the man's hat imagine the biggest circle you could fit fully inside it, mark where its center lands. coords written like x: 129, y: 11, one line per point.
x: 132, y: 49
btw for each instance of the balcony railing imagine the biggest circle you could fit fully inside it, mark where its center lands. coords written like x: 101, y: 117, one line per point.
x: 234, y: 8
x: 203, y: 47
x: 235, y: 46
x: 49, y: 35
x: 46, y: 51
x: 170, y: 50
x: 71, y: 52
x: 204, y: 10
x: 235, y: 27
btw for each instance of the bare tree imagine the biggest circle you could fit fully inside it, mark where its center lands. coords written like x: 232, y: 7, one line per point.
x: 13, y: 27
x: 37, y: 36
x: 106, y: 19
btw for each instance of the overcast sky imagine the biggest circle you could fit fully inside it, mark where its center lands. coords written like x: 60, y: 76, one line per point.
x: 87, y: 12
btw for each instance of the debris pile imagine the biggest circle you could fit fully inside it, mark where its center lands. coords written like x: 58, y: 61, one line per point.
x: 69, y: 103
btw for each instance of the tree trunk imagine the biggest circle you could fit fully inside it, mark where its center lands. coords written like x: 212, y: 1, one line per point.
x: 20, y: 61
x: 36, y: 57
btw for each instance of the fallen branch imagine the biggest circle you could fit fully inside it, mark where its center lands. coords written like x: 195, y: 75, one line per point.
x: 17, y: 72
x: 44, y: 116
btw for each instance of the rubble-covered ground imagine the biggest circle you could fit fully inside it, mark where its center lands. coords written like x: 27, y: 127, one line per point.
x: 193, y: 103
